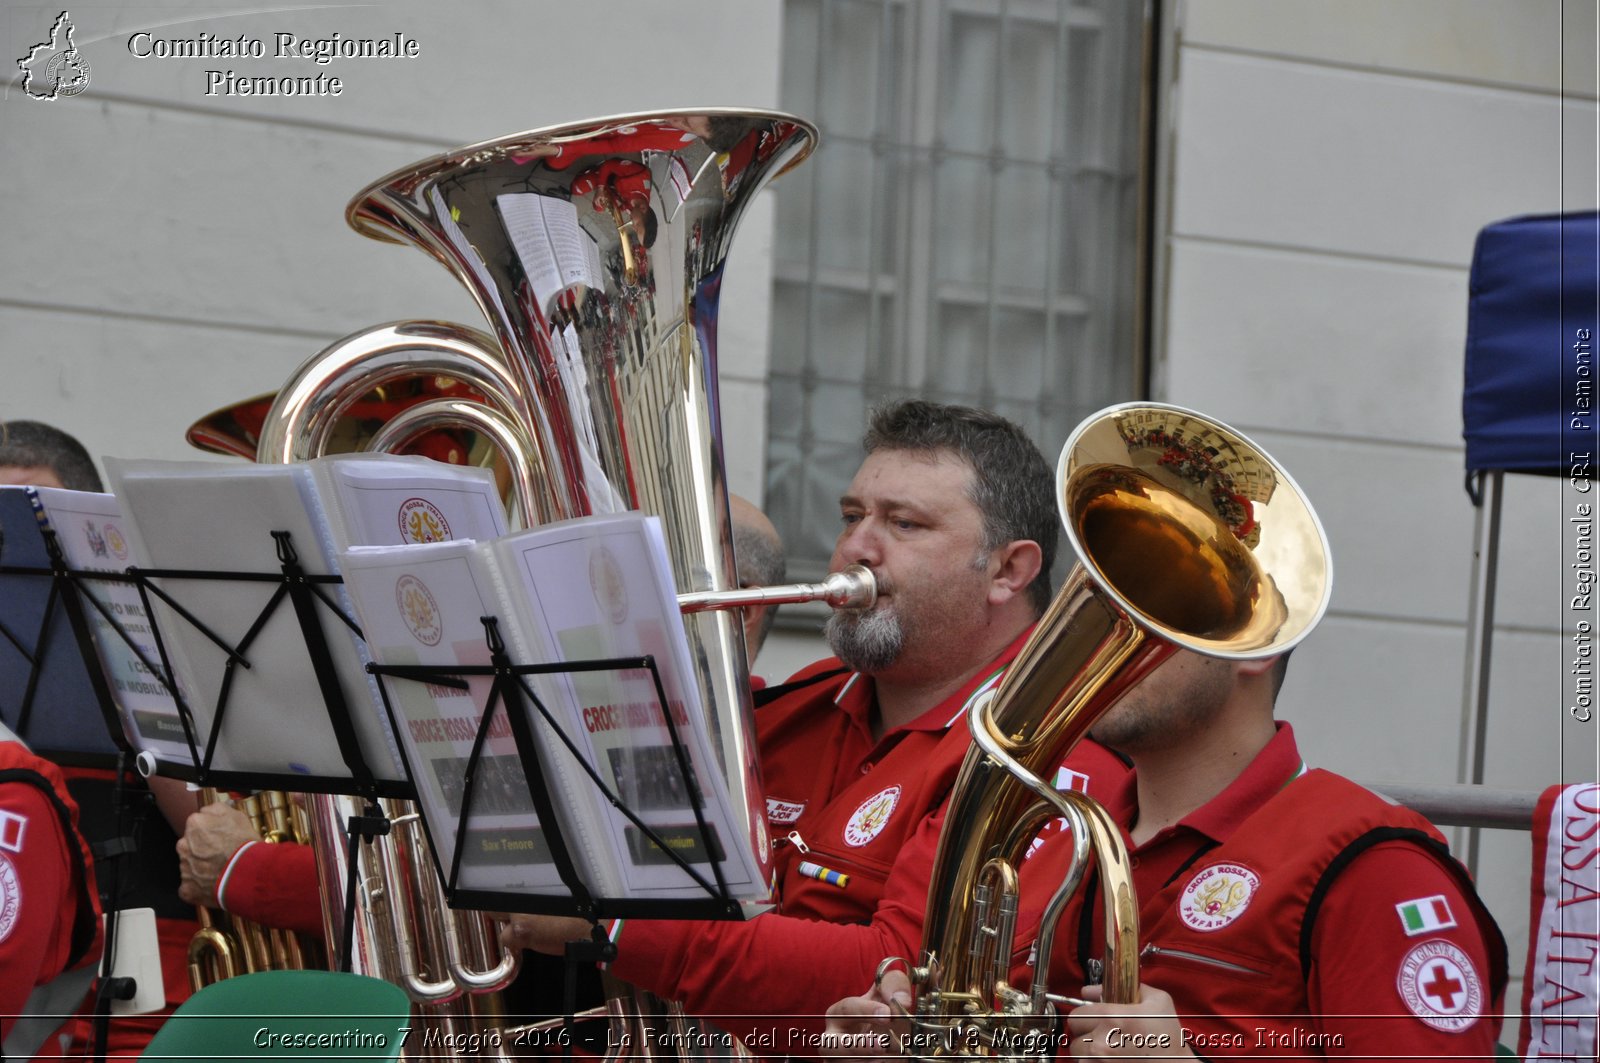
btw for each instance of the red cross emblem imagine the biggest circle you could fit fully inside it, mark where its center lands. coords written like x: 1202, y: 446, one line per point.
x: 1442, y: 986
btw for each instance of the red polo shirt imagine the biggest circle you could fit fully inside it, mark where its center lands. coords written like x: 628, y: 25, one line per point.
x: 1398, y: 943
x: 855, y: 805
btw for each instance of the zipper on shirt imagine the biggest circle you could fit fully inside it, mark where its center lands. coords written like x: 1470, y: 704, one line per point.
x: 1196, y: 957
x: 793, y: 838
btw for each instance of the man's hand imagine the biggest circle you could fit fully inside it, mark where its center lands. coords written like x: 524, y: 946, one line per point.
x: 210, y: 838
x: 1146, y: 1030
x: 870, y: 1026
x: 543, y: 933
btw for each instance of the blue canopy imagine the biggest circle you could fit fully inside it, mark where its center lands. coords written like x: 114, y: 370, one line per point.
x: 1533, y: 325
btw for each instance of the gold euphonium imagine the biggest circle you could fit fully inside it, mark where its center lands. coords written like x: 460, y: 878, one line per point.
x: 595, y: 252
x: 1190, y: 536
x: 227, y: 945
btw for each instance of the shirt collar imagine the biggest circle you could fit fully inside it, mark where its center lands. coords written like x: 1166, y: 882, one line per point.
x: 1272, y: 769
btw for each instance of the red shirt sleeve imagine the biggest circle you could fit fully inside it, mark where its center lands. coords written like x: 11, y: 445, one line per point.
x: 275, y: 884
x: 797, y: 967
x: 781, y: 969
x: 1401, y: 967
x: 37, y: 894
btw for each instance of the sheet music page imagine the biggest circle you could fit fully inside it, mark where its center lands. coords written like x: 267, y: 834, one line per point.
x: 555, y: 251
x: 205, y: 516
x: 422, y: 605
x: 90, y: 528
x: 392, y: 500
x: 466, y: 250
x: 601, y: 587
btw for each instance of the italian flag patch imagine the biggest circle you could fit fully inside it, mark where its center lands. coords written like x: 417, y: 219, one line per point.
x: 1425, y: 914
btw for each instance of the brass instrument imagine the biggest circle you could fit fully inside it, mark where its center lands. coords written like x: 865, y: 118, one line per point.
x: 596, y: 252
x: 1191, y: 537
x: 227, y: 945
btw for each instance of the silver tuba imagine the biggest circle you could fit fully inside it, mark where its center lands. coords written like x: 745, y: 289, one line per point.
x: 596, y: 253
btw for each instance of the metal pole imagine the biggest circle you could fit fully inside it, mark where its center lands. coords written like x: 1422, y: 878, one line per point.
x: 1480, y: 642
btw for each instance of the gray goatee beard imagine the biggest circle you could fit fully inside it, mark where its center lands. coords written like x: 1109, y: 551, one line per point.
x: 867, y: 642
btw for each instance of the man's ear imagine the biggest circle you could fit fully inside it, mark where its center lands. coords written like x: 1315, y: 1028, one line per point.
x: 1016, y: 564
x: 1258, y: 666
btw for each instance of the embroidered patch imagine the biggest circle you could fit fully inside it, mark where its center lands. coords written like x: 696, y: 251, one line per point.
x: 868, y: 821
x: 10, y: 898
x: 784, y: 812
x: 12, y: 827
x: 1425, y: 914
x: 1217, y: 896
x: 1440, y: 986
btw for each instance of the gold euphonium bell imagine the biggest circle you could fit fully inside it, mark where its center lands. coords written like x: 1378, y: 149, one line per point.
x: 1190, y: 536
x: 595, y: 252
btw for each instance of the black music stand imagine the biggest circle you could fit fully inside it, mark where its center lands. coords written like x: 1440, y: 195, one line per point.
x: 510, y: 694
x: 69, y: 670
x: 46, y: 643
x: 304, y: 592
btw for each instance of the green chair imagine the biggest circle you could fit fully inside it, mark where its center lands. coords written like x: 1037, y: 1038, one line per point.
x: 287, y: 1015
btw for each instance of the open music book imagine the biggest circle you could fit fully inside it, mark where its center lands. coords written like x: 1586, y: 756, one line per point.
x: 198, y: 518
x: 574, y: 591
x: 207, y: 517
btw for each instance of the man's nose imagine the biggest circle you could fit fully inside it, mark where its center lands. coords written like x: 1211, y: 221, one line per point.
x: 859, y: 544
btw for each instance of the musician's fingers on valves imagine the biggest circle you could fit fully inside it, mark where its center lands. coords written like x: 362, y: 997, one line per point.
x: 211, y: 837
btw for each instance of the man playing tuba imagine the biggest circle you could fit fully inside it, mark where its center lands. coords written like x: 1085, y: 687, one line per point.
x: 953, y: 512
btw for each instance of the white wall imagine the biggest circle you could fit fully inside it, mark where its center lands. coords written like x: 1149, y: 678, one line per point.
x: 171, y: 253
x: 1331, y: 166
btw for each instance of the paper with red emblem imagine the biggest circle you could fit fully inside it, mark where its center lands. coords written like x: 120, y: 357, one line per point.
x: 601, y: 587
x: 573, y: 591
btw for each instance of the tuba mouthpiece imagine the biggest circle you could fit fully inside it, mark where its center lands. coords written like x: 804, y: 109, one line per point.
x: 852, y: 587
